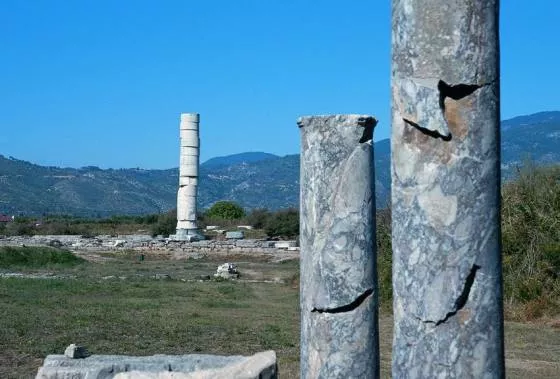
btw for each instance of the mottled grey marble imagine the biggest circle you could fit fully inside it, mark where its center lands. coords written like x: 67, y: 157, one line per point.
x: 446, y: 190
x: 339, y: 336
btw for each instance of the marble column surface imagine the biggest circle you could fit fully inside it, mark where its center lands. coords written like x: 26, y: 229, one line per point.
x: 188, y: 177
x: 339, y: 336
x: 447, y: 281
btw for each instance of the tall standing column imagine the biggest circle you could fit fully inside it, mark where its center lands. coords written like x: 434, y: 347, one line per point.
x: 188, y: 177
x: 446, y: 190
x: 339, y: 336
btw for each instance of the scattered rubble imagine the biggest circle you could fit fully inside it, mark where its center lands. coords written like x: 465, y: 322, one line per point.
x: 227, y: 271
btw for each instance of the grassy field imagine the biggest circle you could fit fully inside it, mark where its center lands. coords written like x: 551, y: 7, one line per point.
x: 116, y: 304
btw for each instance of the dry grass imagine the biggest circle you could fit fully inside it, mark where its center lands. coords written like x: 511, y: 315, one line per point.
x: 531, y: 243
x: 140, y: 315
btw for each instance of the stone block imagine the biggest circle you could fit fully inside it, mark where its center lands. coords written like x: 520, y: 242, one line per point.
x: 75, y: 351
x: 261, y: 365
x: 187, y: 181
x: 189, y: 118
x: 285, y: 244
x: 246, y: 243
x: 235, y: 235
x: 189, y: 138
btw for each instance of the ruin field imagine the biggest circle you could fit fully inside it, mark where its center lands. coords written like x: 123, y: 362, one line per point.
x: 119, y: 303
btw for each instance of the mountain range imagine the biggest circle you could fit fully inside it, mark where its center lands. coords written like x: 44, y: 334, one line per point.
x: 254, y: 179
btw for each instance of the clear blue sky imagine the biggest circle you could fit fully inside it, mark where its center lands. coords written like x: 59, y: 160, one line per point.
x: 102, y: 82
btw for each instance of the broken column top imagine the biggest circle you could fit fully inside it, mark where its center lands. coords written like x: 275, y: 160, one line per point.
x: 190, y: 117
x: 338, y: 129
x: 340, y: 119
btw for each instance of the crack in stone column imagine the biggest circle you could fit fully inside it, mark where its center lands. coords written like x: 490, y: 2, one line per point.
x: 346, y: 307
x: 428, y: 132
x: 461, y: 300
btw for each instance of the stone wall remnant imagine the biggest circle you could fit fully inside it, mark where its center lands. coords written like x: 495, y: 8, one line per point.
x: 338, y: 290
x: 447, y: 281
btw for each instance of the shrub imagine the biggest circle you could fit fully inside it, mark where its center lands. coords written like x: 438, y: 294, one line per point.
x: 384, y: 256
x: 166, y: 224
x: 36, y: 257
x: 21, y: 229
x: 531, y: 238
x: 227, y: 210
x: 283, y: 224
x: 258, y: 218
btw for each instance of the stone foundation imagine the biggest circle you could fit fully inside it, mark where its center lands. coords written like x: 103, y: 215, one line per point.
x: 147, y: 243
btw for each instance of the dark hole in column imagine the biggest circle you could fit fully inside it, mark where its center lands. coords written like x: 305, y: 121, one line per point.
x: 456, y: 92
x: 368, y: 124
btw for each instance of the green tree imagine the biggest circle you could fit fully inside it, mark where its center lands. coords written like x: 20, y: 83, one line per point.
x: 227, y: 210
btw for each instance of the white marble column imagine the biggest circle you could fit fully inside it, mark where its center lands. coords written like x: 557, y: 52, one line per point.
x: 188, y: 177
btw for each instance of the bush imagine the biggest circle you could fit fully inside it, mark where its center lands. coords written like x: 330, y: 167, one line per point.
x: 20, y: 229
x: 226, y: 210
x: 384, y: 256
x: 258, y: 218
x: 148, y: 219
x: 531, y: 239
x: 283, y: 224
x: 166, y: 224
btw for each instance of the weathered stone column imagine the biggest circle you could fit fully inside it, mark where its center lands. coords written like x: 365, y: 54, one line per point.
x: 188, y: 178
x: 339, y: 336
x: 446, y: 190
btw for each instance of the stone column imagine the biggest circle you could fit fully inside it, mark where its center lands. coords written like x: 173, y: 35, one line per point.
x: 188, y: 178
x: 339, y: 336
x: 445, y: 146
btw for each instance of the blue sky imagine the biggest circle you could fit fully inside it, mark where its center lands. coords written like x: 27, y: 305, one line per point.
x: 102, y: 82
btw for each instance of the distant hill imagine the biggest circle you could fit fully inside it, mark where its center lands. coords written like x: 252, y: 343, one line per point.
x: 536, y: 136
x: 30, y: 189
x: 254, y: 180
x: 230, y: 160
x: 541, y: 118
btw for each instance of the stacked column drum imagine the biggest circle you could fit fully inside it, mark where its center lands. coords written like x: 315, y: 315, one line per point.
x: 188, y: 176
